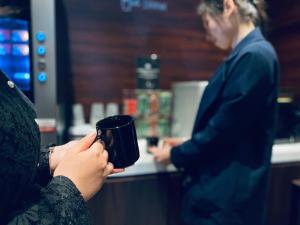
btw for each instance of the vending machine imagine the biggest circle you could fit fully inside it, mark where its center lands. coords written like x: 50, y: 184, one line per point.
x: 28, y: 56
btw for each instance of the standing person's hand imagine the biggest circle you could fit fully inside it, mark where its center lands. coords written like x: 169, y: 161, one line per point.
x: 173, y: 141
x: 163, y: 154
x: 86, y: 166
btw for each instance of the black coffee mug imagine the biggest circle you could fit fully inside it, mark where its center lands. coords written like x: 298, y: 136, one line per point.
x: 118, y: 135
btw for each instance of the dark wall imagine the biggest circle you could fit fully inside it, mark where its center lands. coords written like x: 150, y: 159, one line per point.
x: 285, y: 35
x: 105, y: 42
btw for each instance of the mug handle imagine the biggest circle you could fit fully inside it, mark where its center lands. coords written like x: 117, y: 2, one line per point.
x: 99, y: 138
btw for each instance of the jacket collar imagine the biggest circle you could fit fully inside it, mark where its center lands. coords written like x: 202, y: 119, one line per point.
x: 253, y: 36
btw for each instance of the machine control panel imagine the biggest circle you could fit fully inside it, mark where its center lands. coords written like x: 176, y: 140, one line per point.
x: 41, y: 53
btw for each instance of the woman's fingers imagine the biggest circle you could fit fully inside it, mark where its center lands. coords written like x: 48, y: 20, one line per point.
x: 99, y: 152
x: 172, y: 141
x: 108, y: 169
x: 152, y: 149
x: 85, y: 142
x: 118, y: 170
x: 97, y: 148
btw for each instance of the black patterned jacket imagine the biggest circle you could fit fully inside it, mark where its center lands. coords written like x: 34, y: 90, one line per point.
x: 23, y: 199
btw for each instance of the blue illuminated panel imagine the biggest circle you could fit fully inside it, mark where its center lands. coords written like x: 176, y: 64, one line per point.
x: 15, y: 51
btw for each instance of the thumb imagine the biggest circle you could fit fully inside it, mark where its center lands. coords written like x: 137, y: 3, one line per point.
x: 85, y: 142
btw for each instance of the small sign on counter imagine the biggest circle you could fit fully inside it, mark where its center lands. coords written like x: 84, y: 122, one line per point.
x: 147, y: 72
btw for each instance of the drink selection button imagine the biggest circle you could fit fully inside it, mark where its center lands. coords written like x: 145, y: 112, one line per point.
x: 42, y: 77
x: 40, y: 36
x: 41, y: 50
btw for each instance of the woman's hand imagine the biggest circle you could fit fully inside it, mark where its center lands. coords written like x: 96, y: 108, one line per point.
x: 173, y: 141
x: 86, y: 166
x: 59, y: 152
x: 163, y: 154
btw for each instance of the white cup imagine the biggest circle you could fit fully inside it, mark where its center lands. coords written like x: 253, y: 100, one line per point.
x: 97, y: 113
x: 78, y: 114
x: 112, y: 109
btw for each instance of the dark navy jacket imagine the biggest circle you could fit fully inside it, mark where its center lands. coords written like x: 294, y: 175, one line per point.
x: 227, y: 159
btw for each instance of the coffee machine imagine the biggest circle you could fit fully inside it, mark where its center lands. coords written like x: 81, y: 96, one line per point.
x: 184, y: 111
x: 29, y: 56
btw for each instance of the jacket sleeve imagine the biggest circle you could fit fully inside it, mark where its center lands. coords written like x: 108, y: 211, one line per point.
x: 248, y: 86
x: 59, y: 203
x: 24, y: 202
x: 43, y: 175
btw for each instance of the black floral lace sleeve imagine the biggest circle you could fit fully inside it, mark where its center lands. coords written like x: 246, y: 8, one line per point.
x: 59, y: 203
x: 66, y: 202
x: 43, y: 175
x: 22, y: 200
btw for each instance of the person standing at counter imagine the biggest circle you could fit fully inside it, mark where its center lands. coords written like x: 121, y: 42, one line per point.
x: 227, y: 159
x: 28, y: 194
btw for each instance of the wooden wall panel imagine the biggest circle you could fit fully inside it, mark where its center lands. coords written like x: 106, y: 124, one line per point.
x: 285, y: 36
x: 105, y: 43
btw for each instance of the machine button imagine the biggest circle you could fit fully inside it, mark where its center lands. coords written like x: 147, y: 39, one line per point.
x: 40, y: 36
x: 41, y: 50
x: 42, y: 77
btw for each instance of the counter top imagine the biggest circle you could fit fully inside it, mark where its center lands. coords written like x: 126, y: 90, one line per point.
x: 285, y: 153
x: 145, y: 164
x: 282, y: 153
